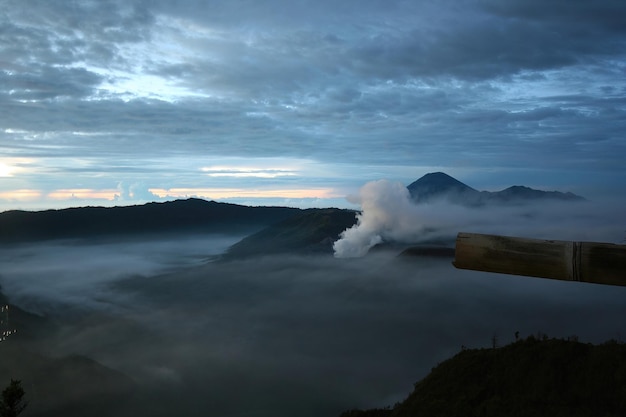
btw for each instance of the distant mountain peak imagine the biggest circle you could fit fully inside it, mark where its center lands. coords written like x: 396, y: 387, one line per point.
x: 440, y: 179
x: 435, y: 184
x: 439, y: 185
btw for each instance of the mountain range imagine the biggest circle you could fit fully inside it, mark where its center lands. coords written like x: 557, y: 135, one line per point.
x: 438, y: 186
x: 181, y: 216
x: 269, y: 229
x: 315, y: 230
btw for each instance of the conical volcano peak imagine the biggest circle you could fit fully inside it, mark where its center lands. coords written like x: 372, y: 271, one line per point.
x: 436, y: 184
x: 440, y: 179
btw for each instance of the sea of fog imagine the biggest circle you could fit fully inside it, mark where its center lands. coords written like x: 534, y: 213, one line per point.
x: 76, y: 273
x: 283, y: 335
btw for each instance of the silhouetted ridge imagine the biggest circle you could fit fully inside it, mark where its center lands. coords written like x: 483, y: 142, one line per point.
x: 191, y: 215
x: 517, y: 192
x: 441, y: 186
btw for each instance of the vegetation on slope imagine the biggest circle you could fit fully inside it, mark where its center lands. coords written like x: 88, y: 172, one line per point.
x: 311, y: 231
x: 531, y: 377
x: 191, y: 215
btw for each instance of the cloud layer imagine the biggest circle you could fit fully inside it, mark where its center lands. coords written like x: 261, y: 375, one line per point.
x: 147, y: 92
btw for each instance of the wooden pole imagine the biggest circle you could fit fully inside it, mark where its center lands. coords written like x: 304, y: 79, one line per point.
x: 601, y: 263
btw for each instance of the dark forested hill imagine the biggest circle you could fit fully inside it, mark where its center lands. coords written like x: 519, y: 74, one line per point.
x: 533, y: 377
x: 311, y: 231
x: 191, y: 215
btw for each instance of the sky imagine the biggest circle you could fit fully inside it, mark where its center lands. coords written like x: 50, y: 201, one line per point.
x: 300, y: 103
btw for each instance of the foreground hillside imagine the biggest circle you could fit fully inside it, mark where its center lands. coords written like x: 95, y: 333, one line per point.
x: 531, y: 377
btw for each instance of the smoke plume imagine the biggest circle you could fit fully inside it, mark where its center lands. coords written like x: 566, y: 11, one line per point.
x: 386, y: 209
x: 388, y: 214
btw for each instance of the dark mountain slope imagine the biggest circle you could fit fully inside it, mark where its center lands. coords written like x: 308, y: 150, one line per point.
x: 311, y: 231
x: 191, y: 215
x: 531, y: 377
x: 519, y: 192
x: 69, y: 386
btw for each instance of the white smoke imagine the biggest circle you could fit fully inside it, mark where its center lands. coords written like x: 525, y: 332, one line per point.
x: 388, y: 214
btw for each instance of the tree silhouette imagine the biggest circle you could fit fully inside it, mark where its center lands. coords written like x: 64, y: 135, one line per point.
x: 12, y: 402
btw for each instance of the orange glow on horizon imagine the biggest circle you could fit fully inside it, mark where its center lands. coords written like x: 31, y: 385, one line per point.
x: 31, y: 195
x: 221, y: 193
x: 21, y: 195
x: 82, y: 193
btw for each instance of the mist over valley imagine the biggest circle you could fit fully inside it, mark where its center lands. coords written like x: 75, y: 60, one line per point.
x: 274, y: 321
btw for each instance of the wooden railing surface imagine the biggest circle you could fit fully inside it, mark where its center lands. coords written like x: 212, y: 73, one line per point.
x: 600, y: 263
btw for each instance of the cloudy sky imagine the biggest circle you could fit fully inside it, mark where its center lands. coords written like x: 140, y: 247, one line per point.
x: 302, y: 102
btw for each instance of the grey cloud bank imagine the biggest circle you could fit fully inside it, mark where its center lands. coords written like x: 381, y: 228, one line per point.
x: 143, y: 92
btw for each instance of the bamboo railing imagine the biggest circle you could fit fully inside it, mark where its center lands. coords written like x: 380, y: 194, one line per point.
x: 600, y: 263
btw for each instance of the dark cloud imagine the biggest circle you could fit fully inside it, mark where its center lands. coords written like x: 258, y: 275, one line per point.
x: 114, y: 21
x: 44, y: 83
x: 601, y: 16
x: 307, y: 13
x: 483, y: 47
